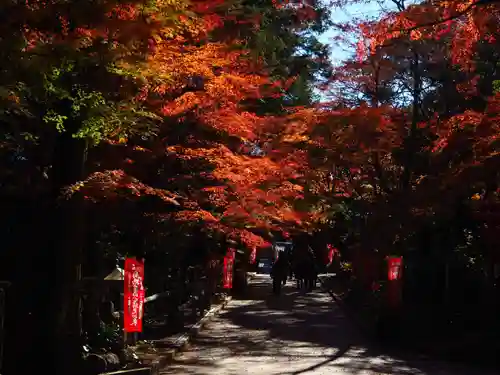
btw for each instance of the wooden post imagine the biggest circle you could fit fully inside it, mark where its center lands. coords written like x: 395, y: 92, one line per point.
x: 123, y: 320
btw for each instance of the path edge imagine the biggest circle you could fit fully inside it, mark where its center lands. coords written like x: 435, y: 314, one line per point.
x: 182, y: 343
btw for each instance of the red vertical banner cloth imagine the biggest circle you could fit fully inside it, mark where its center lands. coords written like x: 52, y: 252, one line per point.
x: 394, y: 268
x: 133, y: 294
x: 253, y: 256
x: 331, y: 253
x: 228, y: 269
x: 394, y: 275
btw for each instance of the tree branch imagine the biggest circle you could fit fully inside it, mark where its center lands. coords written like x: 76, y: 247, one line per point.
x: 454, y: 16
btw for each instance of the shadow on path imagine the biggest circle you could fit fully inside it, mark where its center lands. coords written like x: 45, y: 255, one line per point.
x: 337, y: 355
x: 291, y: 334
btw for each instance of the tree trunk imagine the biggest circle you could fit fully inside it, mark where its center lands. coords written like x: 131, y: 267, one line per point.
x: 412, y: 147
x: 62, y: 313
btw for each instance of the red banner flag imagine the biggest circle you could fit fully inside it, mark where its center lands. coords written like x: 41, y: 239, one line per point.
x: 228, y: 272
x: 331, y: 253
x: 253, y: 255
x: 228, y: 268
x: 133, y: 294
x: 394, y: 268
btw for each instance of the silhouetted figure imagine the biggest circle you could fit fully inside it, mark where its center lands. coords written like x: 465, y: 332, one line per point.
x: 279, y: 273
x: 299, y: 273
x: 305, y: 269
x: 312, y: 272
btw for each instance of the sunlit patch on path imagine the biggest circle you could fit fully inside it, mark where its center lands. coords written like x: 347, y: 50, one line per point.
x: 295, y: 333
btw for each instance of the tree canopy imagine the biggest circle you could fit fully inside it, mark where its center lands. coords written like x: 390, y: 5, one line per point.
x: 172, y: 127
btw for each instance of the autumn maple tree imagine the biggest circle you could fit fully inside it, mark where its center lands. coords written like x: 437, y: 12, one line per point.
x: 405, y: 153
x: 172, y: 130
x: 142, y: 124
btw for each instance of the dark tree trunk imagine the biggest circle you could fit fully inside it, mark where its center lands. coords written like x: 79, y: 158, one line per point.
x: 61, y: 332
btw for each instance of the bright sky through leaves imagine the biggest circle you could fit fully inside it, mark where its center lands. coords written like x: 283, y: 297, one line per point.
x: 354, y: 12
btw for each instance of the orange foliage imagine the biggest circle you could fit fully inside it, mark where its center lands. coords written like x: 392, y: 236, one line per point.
x: 347, y: 140
x: 467, y: 149
x: 114, y: 183
x: 466, y: 22
x: 181, y: 74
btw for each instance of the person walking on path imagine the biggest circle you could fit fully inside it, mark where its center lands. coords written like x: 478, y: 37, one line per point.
x: 279, y: 273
